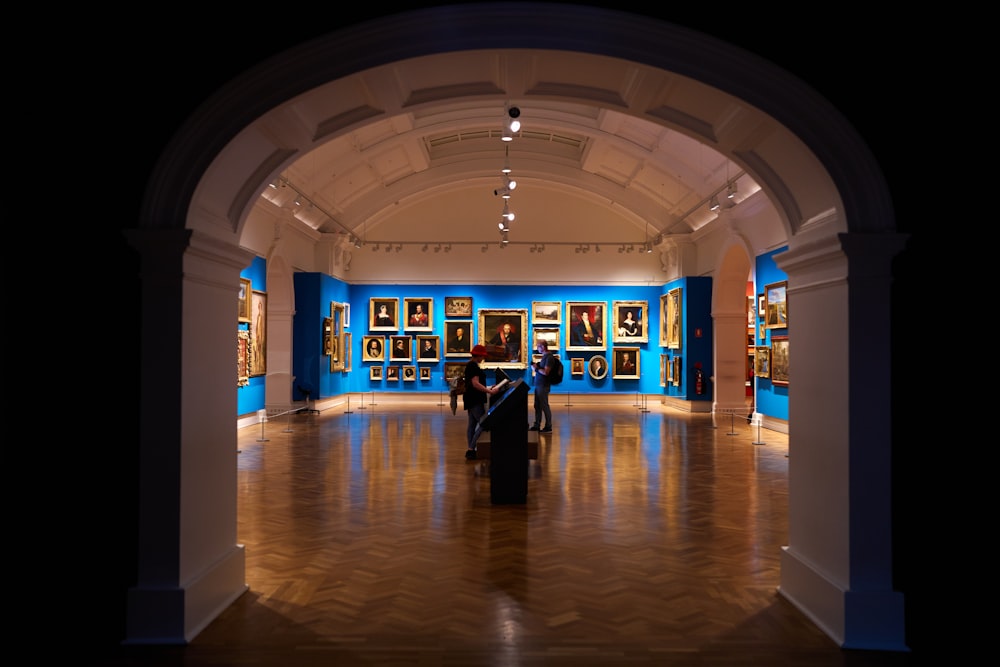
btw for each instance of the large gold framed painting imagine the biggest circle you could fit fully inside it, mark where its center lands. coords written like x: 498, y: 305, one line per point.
x: 671, y: 319
x: 505, y: 335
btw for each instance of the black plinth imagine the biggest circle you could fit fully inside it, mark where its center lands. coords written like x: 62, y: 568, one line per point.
x: 507, y: 422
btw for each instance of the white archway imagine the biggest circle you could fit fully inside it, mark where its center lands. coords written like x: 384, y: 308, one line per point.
x: 837, y: 570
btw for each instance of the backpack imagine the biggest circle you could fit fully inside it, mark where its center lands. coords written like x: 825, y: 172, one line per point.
x: 556, y: 374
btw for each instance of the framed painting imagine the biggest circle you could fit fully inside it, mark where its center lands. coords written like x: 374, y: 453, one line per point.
x: 504, y: 333
x: 425, y: 373
x: 347, y: 315
x: 458, y: 306
x: 243, y: 309
x: 336, y: 336
x: 258, y: 334
x: 428, y: 348
x: 664, y: 362
x: 458, y: 338
x: 546, y: 313
x: 631, y: 321
x: 779, y: 360
x: 626, y: 360
x: 327, y: 336
x: 550, y: 336
x: 597, y: 367
x: 399, y: 348
x: 761, y: 306
x: 671, y: 319
x: 383, y: 314
x: 576, y: 365
x: 242, y: 357
x: 454, y: 370
x: 419, y: 315
x: 670, y: 370
x: 347, y: 352
x: 373, y: 348
x: 409, y: 373
x: 676, y: 377
x: 776, y: 305
x: 375, y: 373
x: 586, y: 325
x: 762, y: 361
x: 392, y: 373
x: 751, y: 313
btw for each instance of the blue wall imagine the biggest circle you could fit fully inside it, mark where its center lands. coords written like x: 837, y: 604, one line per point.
x: 251, y: 397
x: 772, y: 400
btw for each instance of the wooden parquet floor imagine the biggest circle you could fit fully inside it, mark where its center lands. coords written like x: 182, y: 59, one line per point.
x: 647, y: 538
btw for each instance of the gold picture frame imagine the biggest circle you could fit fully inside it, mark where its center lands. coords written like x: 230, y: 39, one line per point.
x: 392, y: 373
x: 428, y: 348
x: 664, y: 363
x: 779, y: 360
x: 400, y: 348
x: 776, y: 305
x: 373, y: 348
x: 504, y: 333
x: 454, y: 370
x: 546, y: 313
x: 383, y: 313
x: 347, y: 353
x: 630, y: 321
x: 327, y: 336
x: 258, y: 333
x: 597, y: 366
x: 419, y: 313
x: 576, y: 365
x: 549, y: 335
x: 425, y: 373
x: 762, y: 361
x: 458, y: 338
x: 243, y: 304
x: 626, y: 363
x: 586, y: 325
x: 375, y: 373
x: 676, y: 377
x: 671, y: 318
x: 336, y: 336
x: 458, y: 306
x: 242, y: 357
x: 409, y: 373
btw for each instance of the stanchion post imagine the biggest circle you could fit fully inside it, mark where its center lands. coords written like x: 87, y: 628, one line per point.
x: 732, y: 422
x: 288, y: 428
x: 362, y: 406
x: 348, y: 410
x: 758, y: 441
x: 262, y: 416
x: 373, y: 398
x: 568, y: 402
x: 644, y: 403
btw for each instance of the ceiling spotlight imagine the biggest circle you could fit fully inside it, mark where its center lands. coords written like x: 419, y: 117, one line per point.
x: 514, y: 113
x: 713, y: 204
x: 273, y: 184
x: 424, y: 248
x: 298, y: 199
x: 374, y: 247
x: 502, y: 225
x: 357, y: 242
x: 506, y: 160
x: 437, y: 248
x: 597, y: 248
x: 447, y: 248
x: 649, y: 247
x: 486, y: 246
x: 507, y: 214
x: 731, y: 190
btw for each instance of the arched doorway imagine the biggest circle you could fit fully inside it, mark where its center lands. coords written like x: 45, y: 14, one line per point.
x: 839, y: 222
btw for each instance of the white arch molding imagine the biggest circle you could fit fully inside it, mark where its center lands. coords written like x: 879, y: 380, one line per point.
x: 837, y: 567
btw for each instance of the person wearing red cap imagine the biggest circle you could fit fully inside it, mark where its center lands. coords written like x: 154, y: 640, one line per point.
x: 474, y: 398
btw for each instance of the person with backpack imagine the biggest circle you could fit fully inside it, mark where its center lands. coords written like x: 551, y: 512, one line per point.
x: 543, y: 386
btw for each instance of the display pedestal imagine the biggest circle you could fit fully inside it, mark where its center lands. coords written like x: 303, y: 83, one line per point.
x: 508, y: 429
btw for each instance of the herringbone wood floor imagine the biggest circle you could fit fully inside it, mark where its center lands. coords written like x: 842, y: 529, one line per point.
x: 647, y: 538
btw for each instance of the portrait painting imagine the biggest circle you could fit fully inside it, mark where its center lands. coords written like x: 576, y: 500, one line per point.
x: 458, y: 306
x: 762, y: 361
x: 419, y: 315
x: 373, y: 348
x: 576, y: 366
x: 392, y: 373
x: 409, y: 373
x: 428, y: 348
x: 631, y: 321
x: 504, y: 333
x: 626, y: 361
x: 399, y: 348
x: 425, y: 373
x: 586, y: 325
x: 676, y: 377
x: 458, y: 338
x: 383, y: 314
x: 375, y: 373
x: 597, y: 367
x: 336, y: 336
x: 242, y: 357
x: 671, y: 319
